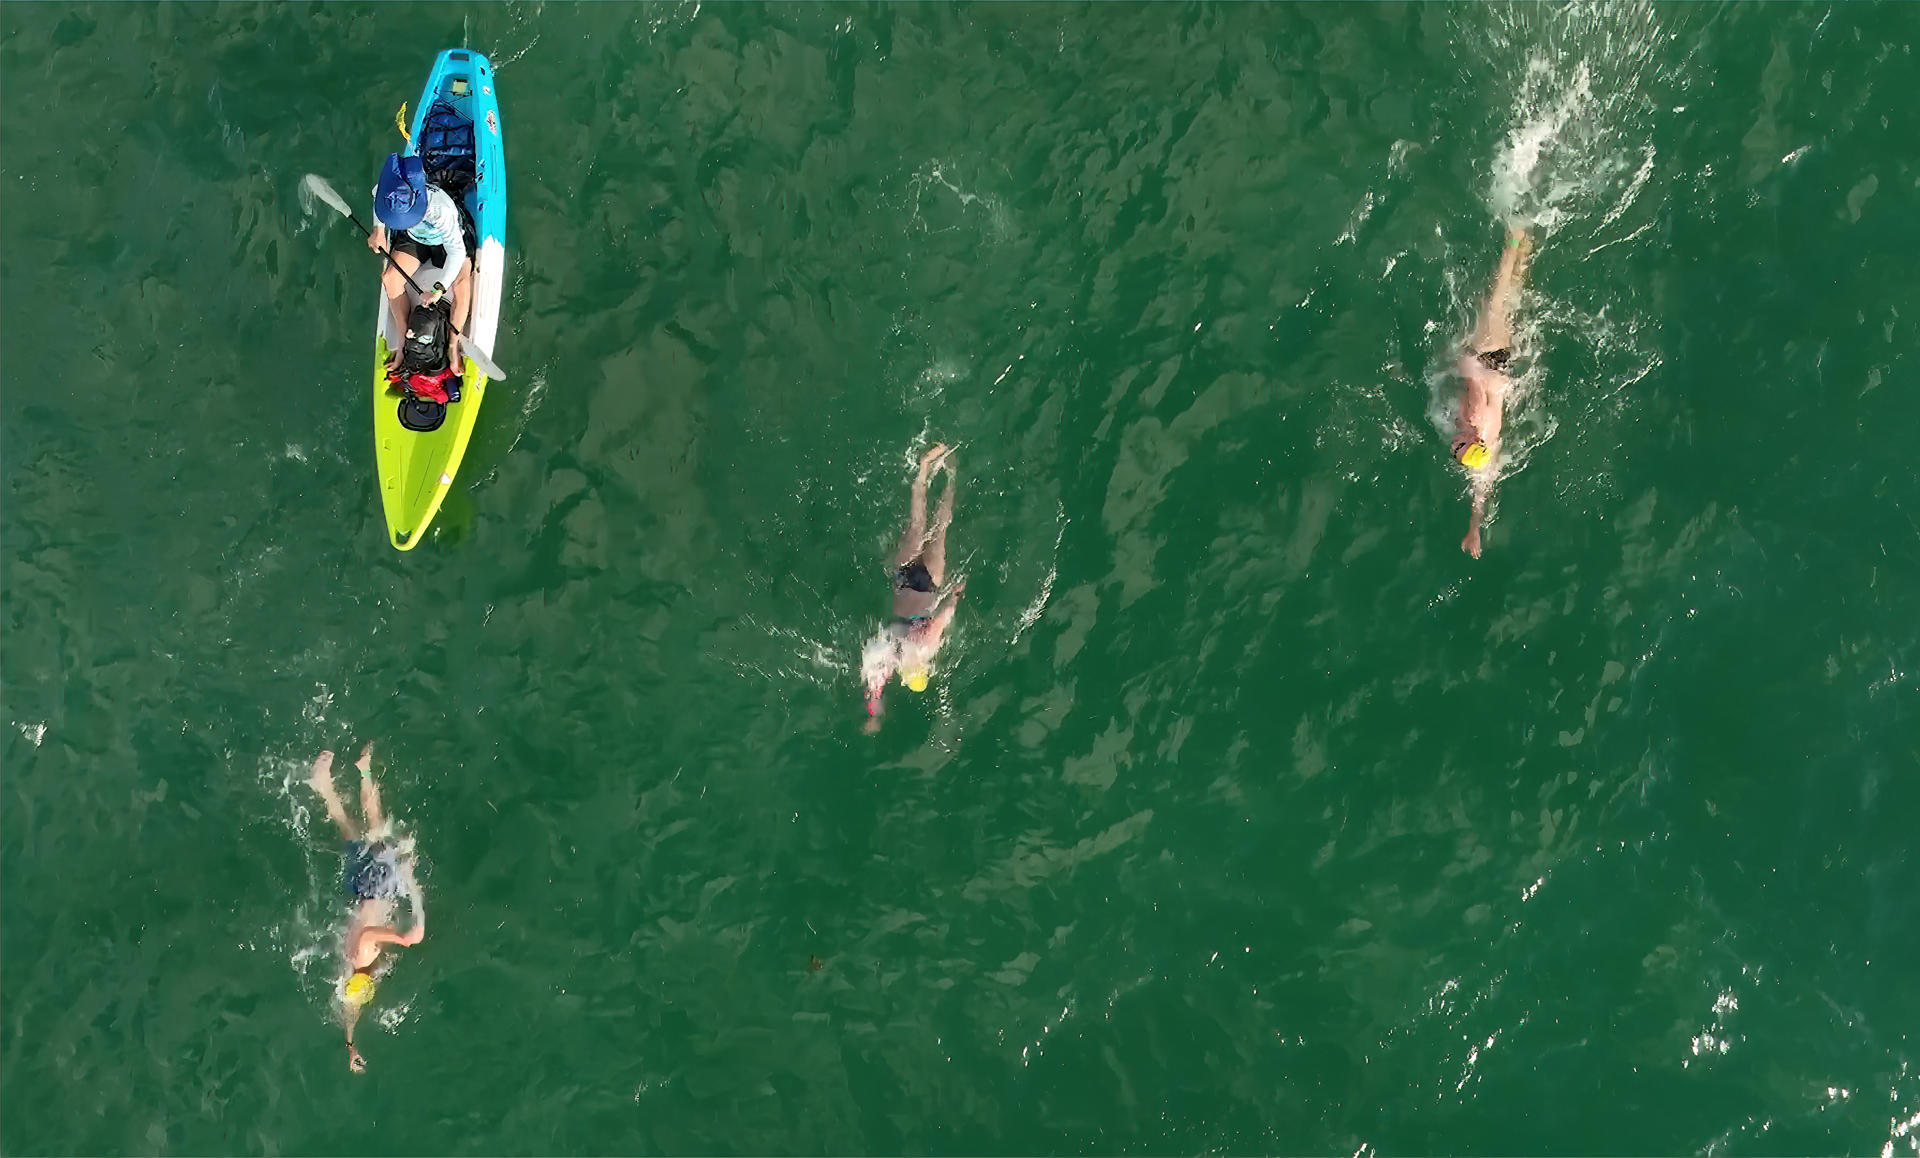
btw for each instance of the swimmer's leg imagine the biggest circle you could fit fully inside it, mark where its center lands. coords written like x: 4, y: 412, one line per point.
x: 1494, y: 330
x: 915, y: 536
x: 935, y: 556
x: 321, y: 779
x: 370, y: 795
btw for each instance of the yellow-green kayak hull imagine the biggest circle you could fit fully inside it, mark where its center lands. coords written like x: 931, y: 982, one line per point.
x: 417, y: 469
x: 413, y: 469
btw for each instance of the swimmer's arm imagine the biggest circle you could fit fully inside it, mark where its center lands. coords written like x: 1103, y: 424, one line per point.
x: 1471, y: 544
x: 943, y: 610
x: 937, y: 626
x: 355, y: 1062
x: 388, y: 935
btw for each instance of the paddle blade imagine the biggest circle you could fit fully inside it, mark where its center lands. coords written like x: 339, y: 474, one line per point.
x: 484, y: 363
x: 313, y: 186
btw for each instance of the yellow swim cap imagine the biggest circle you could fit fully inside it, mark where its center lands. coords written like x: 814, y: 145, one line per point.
x: 1476, y: 456
x: 916, y: 680
x: 359, y: 989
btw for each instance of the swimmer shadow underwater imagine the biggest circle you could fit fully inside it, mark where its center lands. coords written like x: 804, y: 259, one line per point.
x: 378, y: 873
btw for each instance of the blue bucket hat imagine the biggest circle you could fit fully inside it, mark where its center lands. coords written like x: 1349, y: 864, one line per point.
x: 400, y: 200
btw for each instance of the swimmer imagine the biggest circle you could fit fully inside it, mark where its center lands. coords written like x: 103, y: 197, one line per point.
x: 378, y: 872
x: 923, y: 603
x: 1483, y: 370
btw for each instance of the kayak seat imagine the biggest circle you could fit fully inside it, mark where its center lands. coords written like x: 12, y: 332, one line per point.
x: 447, y: 153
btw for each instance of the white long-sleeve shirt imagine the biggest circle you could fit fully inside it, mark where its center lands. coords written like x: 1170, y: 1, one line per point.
x: 441, y: 227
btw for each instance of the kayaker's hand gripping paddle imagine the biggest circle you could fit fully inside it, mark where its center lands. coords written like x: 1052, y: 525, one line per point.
x: 313, y: 185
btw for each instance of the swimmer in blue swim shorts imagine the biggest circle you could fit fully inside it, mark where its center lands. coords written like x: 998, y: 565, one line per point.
x: 377, y: 872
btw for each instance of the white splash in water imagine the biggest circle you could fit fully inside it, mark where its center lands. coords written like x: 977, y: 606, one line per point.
x: 999, y: 220
x: 315, y: 709
x: 33, y: 732
x: 1582, y: 107
x: 676, y: 15
x: 535, y: 395
x: 1357, y: 218
x: 394, y: 1016
x: 1033, y: 611
x: 936, y: 377
x: 523, y: 18
x: 1518, y: 163
x: 1714, y: 1039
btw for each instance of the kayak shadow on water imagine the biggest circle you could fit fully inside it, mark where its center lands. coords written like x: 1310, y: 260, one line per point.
x: 453, y: 526
x: 497, y: 434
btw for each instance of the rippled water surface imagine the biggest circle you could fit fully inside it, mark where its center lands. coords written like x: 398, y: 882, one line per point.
x: 1245, y: 813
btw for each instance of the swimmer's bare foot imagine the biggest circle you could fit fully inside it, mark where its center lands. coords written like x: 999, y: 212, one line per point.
x: 1471, y: 544
x: 1519, y: 239
x: 365, y: 762
x: 932, y: 460
x: 322, y: 775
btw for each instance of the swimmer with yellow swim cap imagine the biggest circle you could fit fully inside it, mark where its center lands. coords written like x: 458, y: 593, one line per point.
x: 359, y: 988
x: 1474, y: 455
x: 379, y: 875
x: 923, y: 602
x: 1484, y: 382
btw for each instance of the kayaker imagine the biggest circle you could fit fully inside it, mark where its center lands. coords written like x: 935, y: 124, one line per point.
x: 1484, y: 382
x: 425, y: 226
x: 378, y: 872
x: 923, y: 604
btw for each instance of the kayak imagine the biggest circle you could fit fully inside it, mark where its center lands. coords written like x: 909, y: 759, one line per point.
x: 456, y: 134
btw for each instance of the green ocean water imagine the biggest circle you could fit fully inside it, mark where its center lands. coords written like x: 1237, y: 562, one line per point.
x: 1246, y: 814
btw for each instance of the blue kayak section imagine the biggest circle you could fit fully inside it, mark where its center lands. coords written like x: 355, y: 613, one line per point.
x: 462, y: 80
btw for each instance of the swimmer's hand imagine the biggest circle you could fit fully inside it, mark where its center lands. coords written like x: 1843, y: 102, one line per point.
x: 416, y: 934
x: 355, y: 1062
